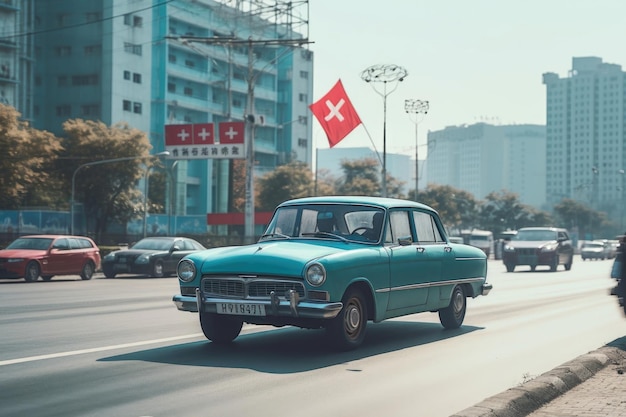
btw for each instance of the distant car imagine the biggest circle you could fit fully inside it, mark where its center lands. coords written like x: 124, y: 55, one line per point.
x: 613, y: 247
x: 455, y: 239
x: 30, y: 257
x: 595, y: 249
x: 534, y: 246
x: 334, y: 263
x: 153, y: 256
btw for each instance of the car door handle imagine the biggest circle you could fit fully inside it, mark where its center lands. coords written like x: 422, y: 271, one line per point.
x: 421, y: 249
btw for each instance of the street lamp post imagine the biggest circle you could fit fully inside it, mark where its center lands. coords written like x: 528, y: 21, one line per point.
x: 416, y: 109
x: 621, y: 203
x: 384, y: 74
x: 104, y: 161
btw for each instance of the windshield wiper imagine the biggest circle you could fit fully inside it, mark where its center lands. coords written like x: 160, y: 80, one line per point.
x: 273, y: 235
x: 325, y: 234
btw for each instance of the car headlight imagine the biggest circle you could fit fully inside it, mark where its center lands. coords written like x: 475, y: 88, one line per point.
x: 13, y: 260
x: 548, y: 248
x: 142, y: 259
x: 109, y: 256
x: 315, y: 274
x: 508, y: 248
x: 186, y: 270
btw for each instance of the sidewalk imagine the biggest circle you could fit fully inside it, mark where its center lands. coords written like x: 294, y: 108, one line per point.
x: 592, y: 385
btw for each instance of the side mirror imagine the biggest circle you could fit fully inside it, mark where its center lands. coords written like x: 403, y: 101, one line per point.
x: 175, y: 248
x: 405, y: 241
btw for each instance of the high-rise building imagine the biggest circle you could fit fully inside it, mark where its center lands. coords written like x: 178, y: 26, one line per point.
x: 484, y: 158
x: 151, y: 63
x: 585, y: 149
x: 17, y: 55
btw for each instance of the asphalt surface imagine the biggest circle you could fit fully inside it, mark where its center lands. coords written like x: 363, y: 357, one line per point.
x: 592, y: 385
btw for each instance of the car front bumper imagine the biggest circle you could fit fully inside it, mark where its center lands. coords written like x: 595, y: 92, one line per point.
x: 288, y: 306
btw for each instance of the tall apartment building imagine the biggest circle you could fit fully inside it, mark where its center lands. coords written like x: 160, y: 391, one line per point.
x: 586, y: 152
x: 151, y: 63
x: 483, y: 158
x: 17, y: 53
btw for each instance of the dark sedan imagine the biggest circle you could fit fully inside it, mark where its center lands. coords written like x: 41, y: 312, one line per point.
x: 152, y: 256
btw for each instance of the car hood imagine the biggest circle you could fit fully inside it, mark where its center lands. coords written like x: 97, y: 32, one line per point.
x: 530, y: 243
x: 134, y: 253
x: 22, y: 253
x: 286, y: 258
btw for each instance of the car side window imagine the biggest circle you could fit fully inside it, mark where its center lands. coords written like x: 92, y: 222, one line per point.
x: 400, y: 225
x: 61, y: 244
x: 426, y: 228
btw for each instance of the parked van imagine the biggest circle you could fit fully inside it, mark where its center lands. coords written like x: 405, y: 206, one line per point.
x: 482, y: 239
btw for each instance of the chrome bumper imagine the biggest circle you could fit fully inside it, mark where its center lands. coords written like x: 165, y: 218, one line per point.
x: 486, y: 288
x: 289, y: 306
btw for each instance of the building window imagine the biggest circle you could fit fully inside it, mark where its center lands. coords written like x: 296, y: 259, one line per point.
x: 132, y: 48
x: 63, y: 50
x: 304, y: 74
x: 89, y: 79
x: 136, y: 78
x: 302, y: 142
x: 171, y: 58
x: 127, y: 75
x: 92, y: 16
x: 64, y: 110
x: 303, y: 97
x: 62, y: 80
x: 171, y: 87
x: 137, y: 108
x: 63, y: 19
x: 92, y: 110
x: 189, y: 63
x: 126, y: 105
x: 188, y: 91
x: 133, y: 20
x: 137, y: 21
x: 93, y: 50
x: 302, y: 120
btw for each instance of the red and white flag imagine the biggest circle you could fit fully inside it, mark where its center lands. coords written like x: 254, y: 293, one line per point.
x: 336, y: 114
x: 178, y: 135
x: 231, y: 132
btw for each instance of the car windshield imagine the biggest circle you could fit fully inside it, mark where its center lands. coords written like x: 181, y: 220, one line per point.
x: 327, y: 221
x: 535, y: 235
x: 34, y: 243
x: 153, y: 244
x: 593, y: 245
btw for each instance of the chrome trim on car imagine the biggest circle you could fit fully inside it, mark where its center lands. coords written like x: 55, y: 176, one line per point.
x: 433, y: 284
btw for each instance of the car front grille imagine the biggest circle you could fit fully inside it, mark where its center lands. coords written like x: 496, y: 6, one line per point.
x: 239, y: 287
x: 526, y: 251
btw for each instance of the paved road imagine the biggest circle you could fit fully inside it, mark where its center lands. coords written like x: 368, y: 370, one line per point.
x: 119, y: 348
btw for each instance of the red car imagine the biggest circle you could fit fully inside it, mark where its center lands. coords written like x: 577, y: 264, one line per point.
x: 30, y: 257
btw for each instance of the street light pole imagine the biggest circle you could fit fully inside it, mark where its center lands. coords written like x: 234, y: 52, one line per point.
x: 418, y: 109
x: 621, y: 203
x: 384, y: 74
x: 104, y: 161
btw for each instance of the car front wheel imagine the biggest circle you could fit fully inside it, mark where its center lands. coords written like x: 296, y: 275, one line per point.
x: 568, y: 265
x: 220, y: 329
x: 157, y: 269
x: 452, y: 316
x: 510, y: 267
x: 347, y: 330
x: 32, y: 272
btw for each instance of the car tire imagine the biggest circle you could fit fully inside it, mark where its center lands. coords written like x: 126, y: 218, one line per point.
x: 452, y: 316
x: 510, y: 267
x: 347, y: 330
x: 157, y: 269
x: 108, y: 272
x: 554, y: 264
x: 220, y: 329
x: 87, y: 272
x: 32, y: 272
x: 568, y: 265
x: 47, y: 277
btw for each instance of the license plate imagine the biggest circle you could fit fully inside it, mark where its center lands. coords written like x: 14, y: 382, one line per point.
x: 244, y: 309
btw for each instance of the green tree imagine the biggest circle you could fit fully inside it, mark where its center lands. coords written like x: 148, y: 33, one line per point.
x: 27, y: 164
x: 578, y: 216
x: 324, y: 183
x: 107, y: 191
x: 502, y: 210
x: 293, y: 180
x: 457, y: 208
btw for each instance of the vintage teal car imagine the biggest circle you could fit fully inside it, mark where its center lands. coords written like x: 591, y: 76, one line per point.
x: 334, y: 263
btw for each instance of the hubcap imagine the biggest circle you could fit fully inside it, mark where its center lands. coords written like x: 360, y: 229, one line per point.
x: 353, y: 319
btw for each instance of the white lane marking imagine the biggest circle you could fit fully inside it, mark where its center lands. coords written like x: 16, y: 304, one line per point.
x: 93, y: 350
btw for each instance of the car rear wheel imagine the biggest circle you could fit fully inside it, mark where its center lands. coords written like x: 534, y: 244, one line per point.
x: 87, y: 271
x: 32, y: 272
x: 220, y: 329
x: 347, y: 330
x: 157, y: 269
x: 452, y: 316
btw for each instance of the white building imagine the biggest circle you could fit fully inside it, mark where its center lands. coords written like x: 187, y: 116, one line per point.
x: 483, y: 158
x: 586, y: 153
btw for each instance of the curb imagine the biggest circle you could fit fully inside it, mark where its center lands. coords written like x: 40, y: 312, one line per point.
x: 532, y: 395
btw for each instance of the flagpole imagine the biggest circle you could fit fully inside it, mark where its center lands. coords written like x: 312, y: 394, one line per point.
x: 316, y: 169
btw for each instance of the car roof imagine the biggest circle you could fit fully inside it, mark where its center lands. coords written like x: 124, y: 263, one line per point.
x: 54, y: 236
x: 382, y: 202
x: 553, y: 229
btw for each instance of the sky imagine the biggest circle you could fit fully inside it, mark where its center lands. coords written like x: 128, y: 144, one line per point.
x: 472, y: 60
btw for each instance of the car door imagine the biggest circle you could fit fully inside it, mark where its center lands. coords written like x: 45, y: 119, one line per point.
x: 412, y: 265
x: 59, y: 258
